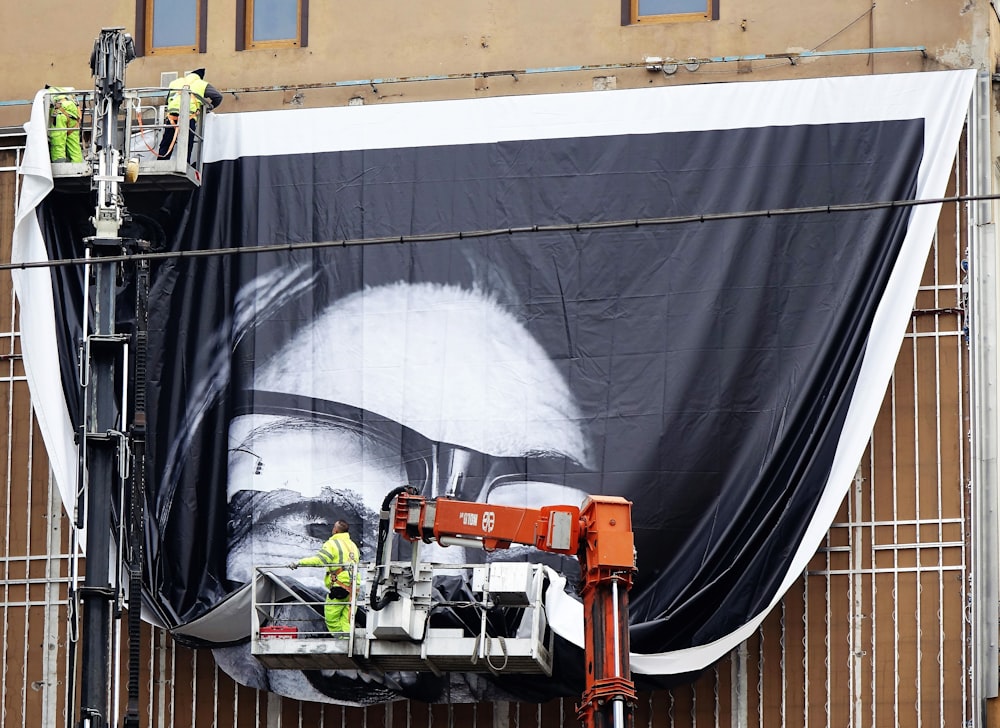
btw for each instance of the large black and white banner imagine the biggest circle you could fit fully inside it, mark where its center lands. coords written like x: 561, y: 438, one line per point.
x: 723, y: 374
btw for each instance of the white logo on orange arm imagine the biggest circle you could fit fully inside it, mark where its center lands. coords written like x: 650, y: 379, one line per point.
x: 489, y: 520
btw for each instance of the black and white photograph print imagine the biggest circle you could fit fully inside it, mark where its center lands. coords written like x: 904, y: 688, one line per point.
x: 524, y: 301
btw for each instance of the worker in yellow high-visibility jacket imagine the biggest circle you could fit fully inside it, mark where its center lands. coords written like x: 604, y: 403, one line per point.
x: 200, y: 89
x: 64, y: 126
x: 340, y: 557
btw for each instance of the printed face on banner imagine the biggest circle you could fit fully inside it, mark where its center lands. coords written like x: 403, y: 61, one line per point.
x: 689, y: 368
x: 433, y: 386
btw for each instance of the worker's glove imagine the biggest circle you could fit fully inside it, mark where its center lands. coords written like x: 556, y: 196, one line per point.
x: 293, y: 565
x: 338, y: 592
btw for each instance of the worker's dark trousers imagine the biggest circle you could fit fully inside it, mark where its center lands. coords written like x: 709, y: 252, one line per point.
x: 166, y: 142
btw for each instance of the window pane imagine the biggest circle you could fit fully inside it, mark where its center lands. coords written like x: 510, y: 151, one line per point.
x: 175, y: 23
x: 666, y: 7
x: 275, y: 20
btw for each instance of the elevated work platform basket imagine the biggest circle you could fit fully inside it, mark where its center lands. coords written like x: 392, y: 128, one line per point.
x: 140, y: 125
x: 289, y: 633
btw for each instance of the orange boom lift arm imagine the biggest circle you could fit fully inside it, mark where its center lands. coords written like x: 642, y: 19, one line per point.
x: 599, y: 534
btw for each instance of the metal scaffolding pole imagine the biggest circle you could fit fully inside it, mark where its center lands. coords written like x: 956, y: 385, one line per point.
x: 985, y: 427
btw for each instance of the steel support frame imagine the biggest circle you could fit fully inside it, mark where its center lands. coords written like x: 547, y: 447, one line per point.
x: 983, y: 270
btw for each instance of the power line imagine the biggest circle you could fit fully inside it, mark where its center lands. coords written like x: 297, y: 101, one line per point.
x: 509, y: 231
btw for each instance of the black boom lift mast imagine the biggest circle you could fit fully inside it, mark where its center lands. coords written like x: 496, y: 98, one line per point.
x: 105, y: 452
x: 112, y: 434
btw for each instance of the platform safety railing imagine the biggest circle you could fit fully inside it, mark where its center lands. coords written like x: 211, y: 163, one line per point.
x: 143, y: 120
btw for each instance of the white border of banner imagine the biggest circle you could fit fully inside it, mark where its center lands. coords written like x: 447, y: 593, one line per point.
x: 940, y: 98
x: 33, y: 288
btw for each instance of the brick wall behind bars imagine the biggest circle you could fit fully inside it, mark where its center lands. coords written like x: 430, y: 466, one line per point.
x: 873, y: 634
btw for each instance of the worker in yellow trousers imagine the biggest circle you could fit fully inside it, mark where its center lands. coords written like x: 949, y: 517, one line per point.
x: 340, y: 557
x: 64, y: 126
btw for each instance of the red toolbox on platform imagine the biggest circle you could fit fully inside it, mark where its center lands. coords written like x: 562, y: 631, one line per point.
x: 280, y: 631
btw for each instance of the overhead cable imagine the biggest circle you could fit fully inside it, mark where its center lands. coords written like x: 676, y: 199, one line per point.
x: 255, y: 249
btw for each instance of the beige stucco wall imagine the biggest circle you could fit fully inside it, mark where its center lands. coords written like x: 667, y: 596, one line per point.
x: 388, y: 38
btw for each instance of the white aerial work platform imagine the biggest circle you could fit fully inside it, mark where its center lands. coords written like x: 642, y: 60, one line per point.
x: 142, y: 121
x: 288, y: 630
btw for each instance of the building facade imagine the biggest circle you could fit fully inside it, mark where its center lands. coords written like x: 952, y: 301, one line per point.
x: 454, y: 50
x: 890, y: 624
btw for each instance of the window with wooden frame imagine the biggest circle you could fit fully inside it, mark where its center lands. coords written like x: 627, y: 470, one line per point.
x: 669, y: 11
x: 271, y: 24
x: 171, y: 26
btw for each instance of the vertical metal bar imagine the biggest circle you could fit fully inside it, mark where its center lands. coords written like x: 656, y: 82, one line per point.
x: 8, y: 490
x: 50, y: 624
x: 984, y: 369
x: 116, y: 651
x: 856, y: 596
x: 782, y: 666
x: 805, y: 648
x: 9, y: 485
x: 872, y: 486
x: 215, y: 693
x: 954, y: 277
x: 161, y: 668
x: 694, y: 706
x: 873, y: 661
x: 895, y: 555
x: 273, y: 710
x: 27, y: 547
x: 10, y: 377
x: 148, y: 673
x: 715, y: 689
x: 194, y: 692
x: 963, y: 466
x: 73, y: 620
x: 918, y: 577
x: 172, y: 683
x: 827, y: 641
x: 760, y: 676
x: 939, y: 456
x: 738, y: 666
